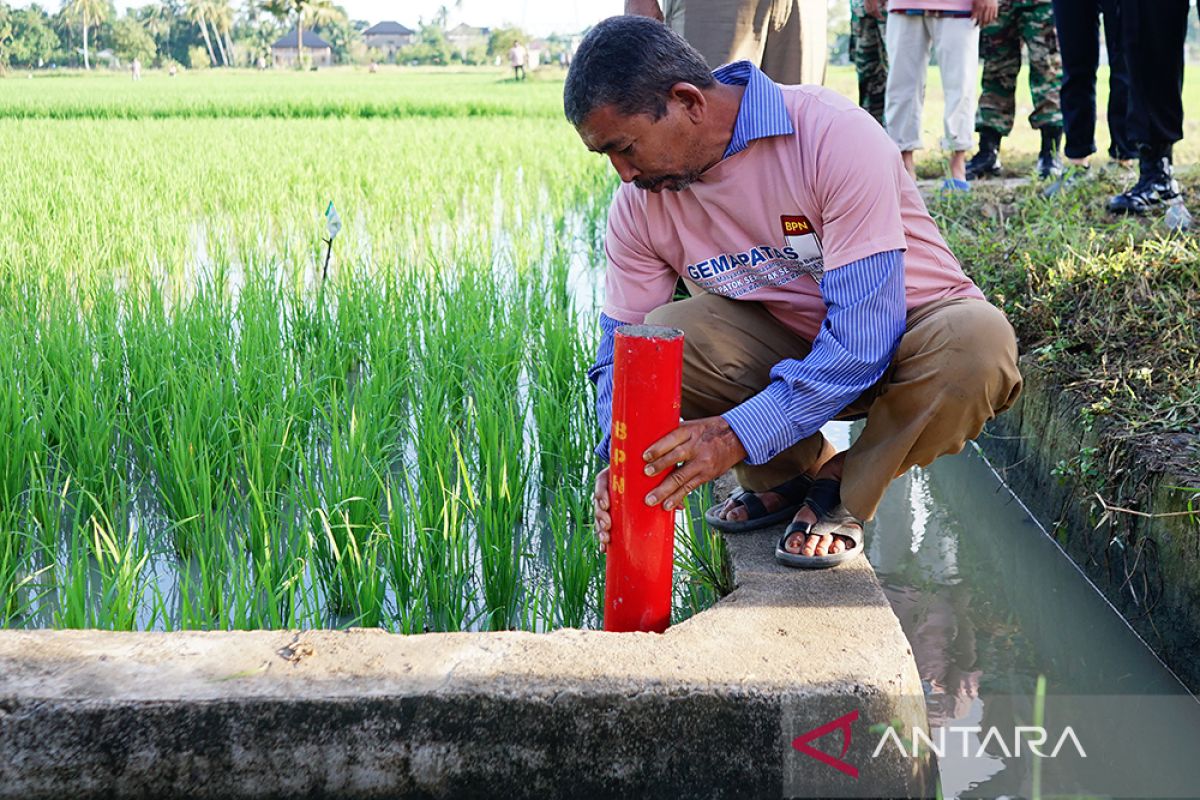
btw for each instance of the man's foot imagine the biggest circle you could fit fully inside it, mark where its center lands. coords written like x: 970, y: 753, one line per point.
x: 816, y: 544
x: 820, y: 544
x: 747, y: 511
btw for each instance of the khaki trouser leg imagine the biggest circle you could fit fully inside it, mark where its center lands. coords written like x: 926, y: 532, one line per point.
x: 786, y: 38
x: 729, y: 348
x: 956, y: 368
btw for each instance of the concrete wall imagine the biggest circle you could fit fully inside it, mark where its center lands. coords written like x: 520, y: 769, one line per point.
x: 708, y: 709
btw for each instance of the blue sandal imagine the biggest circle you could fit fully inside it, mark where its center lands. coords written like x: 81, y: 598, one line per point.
x: 825, y: 500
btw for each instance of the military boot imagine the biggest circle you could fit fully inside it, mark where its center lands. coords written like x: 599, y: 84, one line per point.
x: 987, y: 161
x: 1049, y: 164
x: 1156, y: 183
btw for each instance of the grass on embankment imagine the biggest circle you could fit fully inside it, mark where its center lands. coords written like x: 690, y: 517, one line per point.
x: 1108, y: 304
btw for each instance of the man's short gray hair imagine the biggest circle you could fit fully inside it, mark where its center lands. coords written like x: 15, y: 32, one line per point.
x: 631, y: 63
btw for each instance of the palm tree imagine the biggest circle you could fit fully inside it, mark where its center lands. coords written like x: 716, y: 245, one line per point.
x: 220, y: 16
x: 87, y: 13
x: 197, y: 12
x: 157, y: 19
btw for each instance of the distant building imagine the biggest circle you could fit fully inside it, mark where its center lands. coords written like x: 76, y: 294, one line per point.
x: 388, y: 37
x: 286, y: 51
x: 463, y: 37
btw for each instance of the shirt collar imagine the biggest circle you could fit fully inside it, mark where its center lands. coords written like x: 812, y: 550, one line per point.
x: 762, y: 112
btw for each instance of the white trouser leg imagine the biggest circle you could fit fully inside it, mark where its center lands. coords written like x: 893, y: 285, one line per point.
x: 956, y: 41
x: 908, y: 43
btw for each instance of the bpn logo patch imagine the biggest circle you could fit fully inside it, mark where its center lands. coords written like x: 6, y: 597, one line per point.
x: 800, y: 235
x: 795, y: 226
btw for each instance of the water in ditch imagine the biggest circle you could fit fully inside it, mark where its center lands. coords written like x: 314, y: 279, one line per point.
x: 989, y: 603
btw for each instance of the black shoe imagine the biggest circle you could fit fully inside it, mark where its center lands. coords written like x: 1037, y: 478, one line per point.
x: 987, y: 161
x: 1156, y: 184
x: 1049, y: 165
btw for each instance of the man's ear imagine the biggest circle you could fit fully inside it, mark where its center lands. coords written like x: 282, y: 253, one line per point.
x: 688, y: 95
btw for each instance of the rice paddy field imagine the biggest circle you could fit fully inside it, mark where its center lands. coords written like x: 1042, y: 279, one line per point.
x: 202, y: 426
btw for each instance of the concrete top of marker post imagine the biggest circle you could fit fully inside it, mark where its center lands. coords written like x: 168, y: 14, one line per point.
x: 707, y: 709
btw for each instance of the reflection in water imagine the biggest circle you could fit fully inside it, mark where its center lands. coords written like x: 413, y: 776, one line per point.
x: 988, y: 603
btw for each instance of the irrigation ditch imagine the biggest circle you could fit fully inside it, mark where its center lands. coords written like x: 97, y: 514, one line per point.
x: 1122, y: 508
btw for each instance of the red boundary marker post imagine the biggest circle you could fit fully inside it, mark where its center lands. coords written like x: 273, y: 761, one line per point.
x: 647, y: 380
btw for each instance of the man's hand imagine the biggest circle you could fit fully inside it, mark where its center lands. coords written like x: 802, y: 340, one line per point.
x: 600, y: 504
x: 984, y: 12
x: 644, y: 8
x: 706, y: 449
x: 874, y: 8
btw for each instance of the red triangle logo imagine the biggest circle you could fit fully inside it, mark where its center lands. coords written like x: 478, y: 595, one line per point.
x: 842, y: 723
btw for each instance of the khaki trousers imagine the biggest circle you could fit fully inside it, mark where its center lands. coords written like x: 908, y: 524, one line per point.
x: 955, y: 368
x: 785, y: 38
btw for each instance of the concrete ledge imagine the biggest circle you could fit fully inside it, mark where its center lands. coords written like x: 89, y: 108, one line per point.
x: 708, y: 709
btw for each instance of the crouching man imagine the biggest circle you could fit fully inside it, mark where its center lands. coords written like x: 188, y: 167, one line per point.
x: 821, y: 289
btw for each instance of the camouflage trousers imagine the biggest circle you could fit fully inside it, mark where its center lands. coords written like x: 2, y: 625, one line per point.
x: 870, y: 58
x: 1028, y: 22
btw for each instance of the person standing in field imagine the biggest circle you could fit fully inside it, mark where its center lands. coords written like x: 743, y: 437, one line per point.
x: 517, y: 57
x: 868, y: 30
x: 1028, y: 22
x: 1078, y: 25
x: 1154, y: 33
x: 822, y: 289
x: 136, y: 69
x: 951, y: 27
x: 785, y: 38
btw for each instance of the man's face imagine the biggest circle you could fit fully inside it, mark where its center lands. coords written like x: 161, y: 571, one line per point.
x: 653, y: 154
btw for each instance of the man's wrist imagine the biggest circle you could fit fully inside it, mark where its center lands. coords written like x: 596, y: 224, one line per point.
x: 761, y: 424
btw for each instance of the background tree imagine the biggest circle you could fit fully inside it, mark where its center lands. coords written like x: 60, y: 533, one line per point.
x: 197, y: 11
x: 256, y: 28
x: 430, y: 47
x: 131, y: 40
x: 221, y: 17
x: 34, y: 41
x: 6, y: 36
x: 86, y: 13
x: 502, y: 39
x: 158, y: 20
x: 341, y: 33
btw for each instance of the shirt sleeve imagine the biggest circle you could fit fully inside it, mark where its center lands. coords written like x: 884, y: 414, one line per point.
x: 601, y: 374
x: 859, y: 195
x: 865, y: 320
x: 636, y: 279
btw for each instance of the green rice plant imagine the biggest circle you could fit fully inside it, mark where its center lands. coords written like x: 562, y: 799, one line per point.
x: 403, y: 562
x: 444, y: 554
x: 404, y: 441
x: 701, y: 557
x: 119, y: 552
x: 496, y: 504
x: 575, y: 562
x: 343, y: 497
